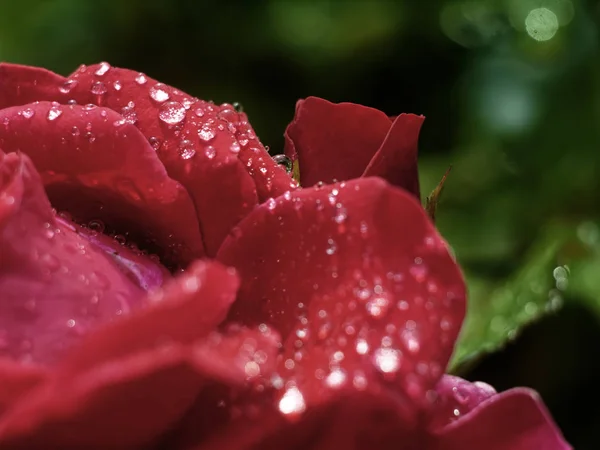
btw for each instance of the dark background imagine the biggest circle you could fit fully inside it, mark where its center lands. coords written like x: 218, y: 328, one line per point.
x: 512, y: 99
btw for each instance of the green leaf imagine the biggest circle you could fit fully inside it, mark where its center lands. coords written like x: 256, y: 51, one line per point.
x: 496, y: 314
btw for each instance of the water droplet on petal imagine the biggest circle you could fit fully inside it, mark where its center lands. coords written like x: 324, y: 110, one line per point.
x: 54, y: 113
x: 141, y: 79
x: 68, y: 86
x: 117, y: 85
x: 154, y: 142
x: 210, y: 152
x: 159, y: 94
x: 104, y: 67
x: 206, y: 133
x: 99, y: 88
x: 238, y: 107
x: 292, y: 402
x: 284, y: 161
x: 172, y: 113
x: 336, y: 379
x: 28, y: 113
x: 235, y: 147
x: 387, y: 360
x: 331, y: 247
x: 186, y: 149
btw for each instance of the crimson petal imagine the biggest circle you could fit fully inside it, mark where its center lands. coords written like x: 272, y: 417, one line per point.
x: 334, y: 141
x: 136, y: 398
x: 515, y: 419
x: 137, y: 377
x: 359, y: 421
x: 396, y: 159
x: 95, y: 167
x: 16, y: 379
x: 345, y: 140
x: 54, y: 285
x: 192, y: 138
x: 358, y: 282
x: 188, y: 307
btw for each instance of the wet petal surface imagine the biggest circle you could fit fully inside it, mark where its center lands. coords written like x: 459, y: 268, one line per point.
x: 516, y: 419
x: 55, y: 285
x: 358, y: 282
x: 106, y: 174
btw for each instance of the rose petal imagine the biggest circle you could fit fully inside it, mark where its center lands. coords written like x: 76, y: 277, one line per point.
x: 358, y: 282
x: 515, y: 419
x: 128, y: 402
x: 192, y: 139
x: 455, y: 398
x: 187, y: 308
x: 142, y: 270
x: 334, y: 141
x: 271, y: 179
x: 16, y: 379
x: 20, y: 85
x: 54, y: 285
x: 359, y: 421
x: 396, y: 159
x: 97, y: 170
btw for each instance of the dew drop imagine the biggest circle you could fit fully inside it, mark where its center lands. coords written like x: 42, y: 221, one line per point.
x: 336, y: 379
x: 362, y: 346
x: 238, y: 107
x: 186, y: 149
x: 68, y: 86
x: 331, y: 247
x: 54, y: 113
x: 292, y: 402
x: 387, y: 360
x: 104, y: 67
x: 28, y: 113
x: 341, y: 213
x: 210, y: 152
x: 141, y: 79
x: 172, y: 113
x: 235, y: 147
x: 284, y: 161
x: 154, y: 142
x: 98, y: 88
x: 159, y: 94
x: 117, y: 85
x: 206, y: 133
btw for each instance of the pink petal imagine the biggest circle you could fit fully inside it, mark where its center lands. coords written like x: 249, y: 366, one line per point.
x: 515, y: 419
x: 185, y: 309
x: 54, y: 285
x: 396, y: 159
x: 98, y: 169
x: 358, y: 282
x: 129, y: 402
x: 334, y: 141
x: 455, y: 398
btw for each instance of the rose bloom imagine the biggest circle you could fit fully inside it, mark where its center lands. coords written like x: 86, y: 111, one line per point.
x: 164, y: 284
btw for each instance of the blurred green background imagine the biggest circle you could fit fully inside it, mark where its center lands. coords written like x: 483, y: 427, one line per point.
x: 511, y: 92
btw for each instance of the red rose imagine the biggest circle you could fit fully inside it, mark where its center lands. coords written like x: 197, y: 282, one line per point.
x: 333, y: 331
